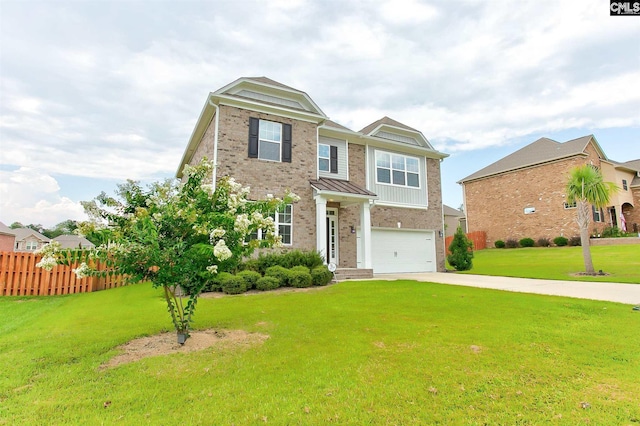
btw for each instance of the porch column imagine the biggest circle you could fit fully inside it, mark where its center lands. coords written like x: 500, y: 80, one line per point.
x: 365, y: 234
x: 321, y: 226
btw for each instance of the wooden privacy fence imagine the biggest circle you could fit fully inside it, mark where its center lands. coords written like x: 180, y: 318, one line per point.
x: 478, y: 238
x: 19, y: 276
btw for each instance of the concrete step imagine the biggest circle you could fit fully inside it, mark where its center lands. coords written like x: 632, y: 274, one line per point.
x: 342, y: 274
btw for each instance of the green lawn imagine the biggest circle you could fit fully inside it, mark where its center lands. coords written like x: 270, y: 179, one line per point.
x: 621, y: 263
x: 369, y: 352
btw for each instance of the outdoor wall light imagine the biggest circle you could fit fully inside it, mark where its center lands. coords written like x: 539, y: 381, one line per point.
x: 399, y: 224
x: 440, y: 234
x: 353, y: 229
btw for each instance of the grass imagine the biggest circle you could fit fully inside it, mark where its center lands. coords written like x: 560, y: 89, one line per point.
x: 372, y: 352
x: 621, y: 263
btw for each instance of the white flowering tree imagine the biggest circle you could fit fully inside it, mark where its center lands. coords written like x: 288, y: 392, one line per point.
x: 177, y: 235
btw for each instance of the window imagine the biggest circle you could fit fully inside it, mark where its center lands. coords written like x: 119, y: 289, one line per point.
x: 32, y: 245
x: 324, y: 159
x: 269, y: 140
x: 283, y: 224
x: 598, y: 216
x: 624, y: 184
x: 328, y: 158
x: 396, y: 169
x: 570, y: 205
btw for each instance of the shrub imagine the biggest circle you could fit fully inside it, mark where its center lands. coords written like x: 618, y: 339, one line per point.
x: 279, y: 272
x: 299, y: 268
x: 250, y: 278
x: 267, y: 283
x: 289, y: 259
x: 461, y: 252
x: 560, y: 241
x: 251, y: 265
x: 299, y: 279
x: 233, y: 285
x: 526, y: 242
x: 575, y: 241
x: 612, y: 232
x: 499, y: 244
x: 511, y: 243
x: 321, y: 275
x: 215, y: 282
x: 543, y: 242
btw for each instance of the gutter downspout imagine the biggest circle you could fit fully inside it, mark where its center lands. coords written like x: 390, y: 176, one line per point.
x: 215, y: 145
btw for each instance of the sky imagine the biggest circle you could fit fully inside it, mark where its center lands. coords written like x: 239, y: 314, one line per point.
x: 93, y: 93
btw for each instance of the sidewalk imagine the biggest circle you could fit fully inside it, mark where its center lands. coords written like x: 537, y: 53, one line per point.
x: 610, y: 292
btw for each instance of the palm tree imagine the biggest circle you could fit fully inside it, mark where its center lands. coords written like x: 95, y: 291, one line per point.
x: 586, y: 187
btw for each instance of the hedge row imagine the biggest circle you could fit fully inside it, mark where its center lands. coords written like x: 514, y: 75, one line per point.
x: 541, y: 242
x: 275, y: 277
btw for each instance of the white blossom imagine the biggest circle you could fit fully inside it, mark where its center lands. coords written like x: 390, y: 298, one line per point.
x: 212, y: 269
x: 216, y: 233
x: 242, y: 224
x: 82, y: 271
x: 221, y: 251
x: 47, y: 262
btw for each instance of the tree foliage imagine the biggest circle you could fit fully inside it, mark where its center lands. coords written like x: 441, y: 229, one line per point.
x: 177, y: 235
x: 461, y: 249
x: 586, y: 187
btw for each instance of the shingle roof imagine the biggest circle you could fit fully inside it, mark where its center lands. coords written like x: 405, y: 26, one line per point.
x: 388, y: 121
x: 73, y: 241
x: 635, y: 165
x: 450, y: 211
x: 22, y: 233
x: 333, y: 124
x: 541, y: 151
x: 4, y: 229
x: 342, y: 186
x: 266, y: 80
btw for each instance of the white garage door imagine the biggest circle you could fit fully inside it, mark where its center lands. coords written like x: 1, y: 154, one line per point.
x: 395, y: 250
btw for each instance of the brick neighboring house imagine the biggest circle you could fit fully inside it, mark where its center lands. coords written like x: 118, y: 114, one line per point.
x: 73, y: 242
x: 523, y: 194
x: 29, y: 240
x: 370, y: 199
x: 7, y: 238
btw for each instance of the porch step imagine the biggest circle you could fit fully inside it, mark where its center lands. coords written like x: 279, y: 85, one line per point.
x: 342, y: 274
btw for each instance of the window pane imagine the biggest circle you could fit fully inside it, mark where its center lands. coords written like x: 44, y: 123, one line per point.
x: 323, y: 151
x: 398, y: 162
x: 323, y: 164
x: 270, y: 131
x: 413, y: 180
x: 269, y: 151
x: 398, y: 178
x: 285, y: 232
x: 384, y: 175
x: 383, y: 160
x: 413, y: 165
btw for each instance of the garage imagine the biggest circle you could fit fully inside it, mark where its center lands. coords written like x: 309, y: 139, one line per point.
x: 398, y: 250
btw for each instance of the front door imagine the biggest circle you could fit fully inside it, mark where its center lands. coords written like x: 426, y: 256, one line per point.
x: 332, y: 236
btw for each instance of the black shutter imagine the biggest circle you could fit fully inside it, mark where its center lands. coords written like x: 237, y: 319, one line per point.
x: 286, y: 143
x: 333, y: 159
x: 254, y: 129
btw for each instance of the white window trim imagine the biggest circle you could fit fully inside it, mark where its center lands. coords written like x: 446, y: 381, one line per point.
x: 279, y: 142
x: 277, y: 224
x: 324, y: 158
x: 391, y: 169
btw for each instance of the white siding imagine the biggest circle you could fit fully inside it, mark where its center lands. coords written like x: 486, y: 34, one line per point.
x: 398, y: 194
x: 343, y: 171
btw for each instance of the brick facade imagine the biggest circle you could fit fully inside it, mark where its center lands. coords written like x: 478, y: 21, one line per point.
x: 496, y: 204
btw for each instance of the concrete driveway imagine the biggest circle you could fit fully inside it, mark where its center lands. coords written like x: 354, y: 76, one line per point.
x: 610, y: 292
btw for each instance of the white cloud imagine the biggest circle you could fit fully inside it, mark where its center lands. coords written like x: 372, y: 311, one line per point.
x: 31, y: 196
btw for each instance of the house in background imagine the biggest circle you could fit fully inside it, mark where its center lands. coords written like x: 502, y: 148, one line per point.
x: 29, y: 240
x: 73, y: 242
x: 523, y: 194
x: 453, y: 218
x: 370, y: 199
x: 7, y: 238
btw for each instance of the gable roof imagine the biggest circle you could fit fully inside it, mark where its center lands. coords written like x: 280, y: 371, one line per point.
x: 23, y: 233
x: 5, y: 230
x: 633, y: 165
x: 450, y: 211
x: 388, y: 121
x: 542, y: 151
x: 73, y: 241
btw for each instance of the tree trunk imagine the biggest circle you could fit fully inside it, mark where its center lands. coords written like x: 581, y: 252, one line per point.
x: 583, y: 223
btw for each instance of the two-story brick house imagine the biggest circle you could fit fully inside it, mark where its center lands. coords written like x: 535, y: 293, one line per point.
x: 370, y: 199
x: 523, y: 194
